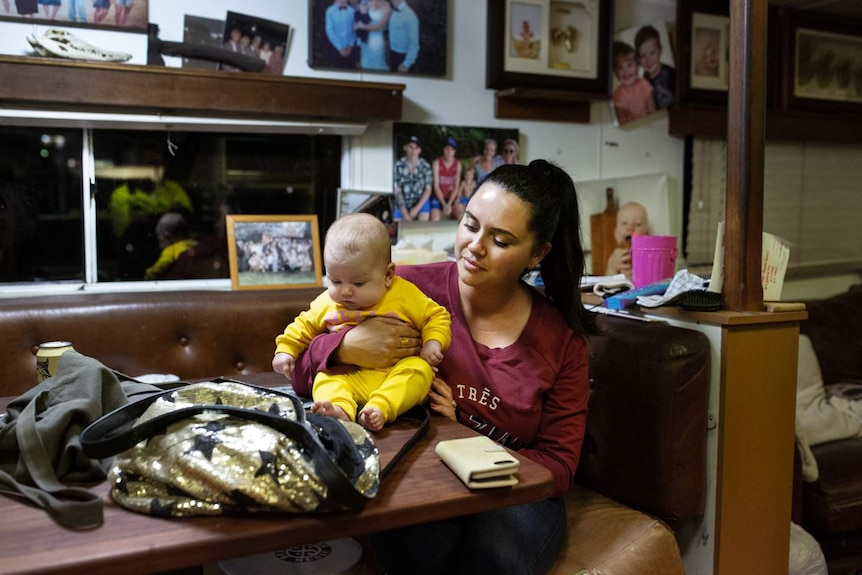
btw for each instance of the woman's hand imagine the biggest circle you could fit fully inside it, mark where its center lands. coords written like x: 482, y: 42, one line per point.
x: 441, y: 401
x: 378, y: 343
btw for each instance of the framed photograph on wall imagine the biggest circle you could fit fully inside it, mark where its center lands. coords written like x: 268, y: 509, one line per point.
x: 394, y: 36
x: 133, y: 17
x: 274, y: 252
x: 821, y: 62
x: 551, y: 44
x: 703, y: 55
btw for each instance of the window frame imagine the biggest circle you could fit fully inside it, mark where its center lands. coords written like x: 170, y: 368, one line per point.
x: 88, y: 122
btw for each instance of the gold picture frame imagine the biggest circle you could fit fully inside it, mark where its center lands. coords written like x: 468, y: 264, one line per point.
x: 274, y: 252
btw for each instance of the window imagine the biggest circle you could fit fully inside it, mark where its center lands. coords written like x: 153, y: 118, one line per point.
x: 88, y: 205
x: 810, y: 198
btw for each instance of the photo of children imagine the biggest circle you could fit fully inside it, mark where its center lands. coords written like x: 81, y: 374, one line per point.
x: 436, y: 168
x: 645, y: 47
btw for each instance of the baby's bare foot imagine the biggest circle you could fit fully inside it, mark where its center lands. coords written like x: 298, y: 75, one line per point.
x: 371, y: 419
x: 326, y: 408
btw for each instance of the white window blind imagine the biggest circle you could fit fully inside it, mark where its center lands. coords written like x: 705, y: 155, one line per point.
x: 812, y: 198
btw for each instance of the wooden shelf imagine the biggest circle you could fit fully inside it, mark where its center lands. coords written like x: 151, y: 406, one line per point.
x: 711, y: 122
x: 56, y: 84
x: 543, y: 105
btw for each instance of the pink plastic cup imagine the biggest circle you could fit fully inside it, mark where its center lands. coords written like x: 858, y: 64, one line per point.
x: 653, y: 259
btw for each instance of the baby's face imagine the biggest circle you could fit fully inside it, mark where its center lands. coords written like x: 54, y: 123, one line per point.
x: 626, y: 70
x: 649, y: 55
x: 358, y: 283
x: 710, y: 57
x: 631, y: 219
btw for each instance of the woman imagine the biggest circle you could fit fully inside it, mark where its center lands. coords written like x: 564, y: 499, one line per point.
x: 489, y: 160
x: 511, y: 151
x: 516, y: 370
x: 372, y: 52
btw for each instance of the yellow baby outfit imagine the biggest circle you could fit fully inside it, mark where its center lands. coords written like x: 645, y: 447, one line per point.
x: 393, y: 391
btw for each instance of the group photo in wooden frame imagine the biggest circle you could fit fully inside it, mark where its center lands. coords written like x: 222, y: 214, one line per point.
x: 551, y: 44
x: 703, y: 56
x: 274, y: 252
x: 821, y: 62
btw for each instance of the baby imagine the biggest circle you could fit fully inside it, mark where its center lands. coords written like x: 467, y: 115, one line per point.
x: 631, y: 220
x: 362, y: 285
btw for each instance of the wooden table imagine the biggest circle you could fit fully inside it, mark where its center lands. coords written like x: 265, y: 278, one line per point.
x: 420, y: 488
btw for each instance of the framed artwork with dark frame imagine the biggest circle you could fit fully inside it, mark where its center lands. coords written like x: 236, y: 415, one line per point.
x: 821, y: 63
x: 550, y: 44
x: 414, y: 41
x: 274, y: 252
x: 703, y: 54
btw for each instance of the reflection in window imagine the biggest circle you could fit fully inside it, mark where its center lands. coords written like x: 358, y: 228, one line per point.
x: 159, y: 198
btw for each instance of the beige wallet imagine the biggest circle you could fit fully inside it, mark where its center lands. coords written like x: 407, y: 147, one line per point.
x: 479, y: 462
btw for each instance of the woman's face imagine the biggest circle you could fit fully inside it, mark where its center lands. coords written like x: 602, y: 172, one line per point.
x: 490, y: 149
x: 493, y: 245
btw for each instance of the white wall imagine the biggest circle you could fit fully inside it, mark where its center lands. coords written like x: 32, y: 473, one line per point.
x: 586, y: 151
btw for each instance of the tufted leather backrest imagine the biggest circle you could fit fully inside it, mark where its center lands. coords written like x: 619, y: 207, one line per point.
x: 645, y: 443
x: 190, y: 334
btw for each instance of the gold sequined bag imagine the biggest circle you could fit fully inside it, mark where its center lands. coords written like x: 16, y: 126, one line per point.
x: 226, y: 447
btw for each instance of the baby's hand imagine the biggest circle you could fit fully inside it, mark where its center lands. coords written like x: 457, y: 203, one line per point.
x: 432, y: 352
x: 284, y: 364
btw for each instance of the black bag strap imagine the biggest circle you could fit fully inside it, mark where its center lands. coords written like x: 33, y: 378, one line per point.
x: 417, y: 412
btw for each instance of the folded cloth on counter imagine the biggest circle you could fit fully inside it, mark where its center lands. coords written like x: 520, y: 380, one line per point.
x: 681, y: 283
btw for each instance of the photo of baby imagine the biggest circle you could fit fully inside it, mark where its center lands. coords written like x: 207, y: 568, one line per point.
x: 709, y: 51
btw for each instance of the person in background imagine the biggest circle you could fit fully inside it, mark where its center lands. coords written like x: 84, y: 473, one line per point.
x: 100, y: 10
x: 51, y: 7
x: 412, y: 180
x: 26, y: 8
x: 276, y: 61
x: 372, y: 53
x: 172, y: 231
x: 706, y: 52
x: 466, y: 188
x: 516, y: 371
x: 446, y: 175
x: 122, y: 10
x: 660, y: 75
x: 511, y: 151
x: 362, y: 284
x: 265, y: 52
x: 340, y: 17
x: 78, y: 11
x: 633, y: 97
x: 403, y: 37
x: 488, y: 161
x: 631, y: 220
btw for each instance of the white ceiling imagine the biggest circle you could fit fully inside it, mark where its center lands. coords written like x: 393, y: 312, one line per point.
x: 842, y: 8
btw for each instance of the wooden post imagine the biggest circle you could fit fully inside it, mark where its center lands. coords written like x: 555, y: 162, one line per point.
x: 746, y: 126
